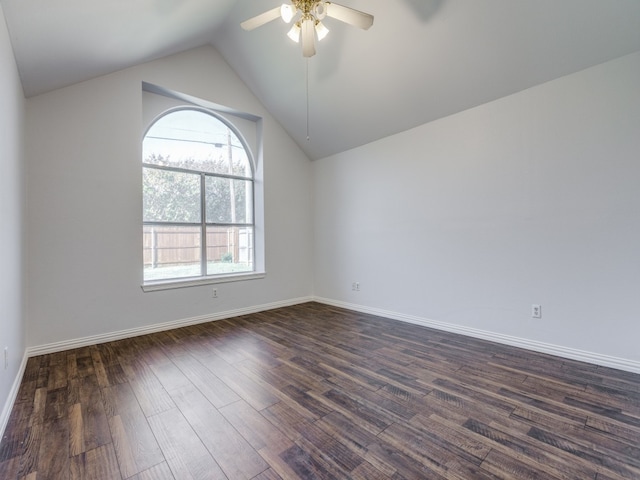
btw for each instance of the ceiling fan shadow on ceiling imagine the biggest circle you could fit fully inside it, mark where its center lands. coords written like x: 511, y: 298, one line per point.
x: 307, y: 16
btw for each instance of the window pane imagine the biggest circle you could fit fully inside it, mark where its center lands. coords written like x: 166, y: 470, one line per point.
x: 229, y: 250
x: 197, y: 141
x: 171, y: 252
x: 170, y: 196
x: 220, y: 208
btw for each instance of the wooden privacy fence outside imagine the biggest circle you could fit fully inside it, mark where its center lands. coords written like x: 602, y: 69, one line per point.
x: 164, y: 246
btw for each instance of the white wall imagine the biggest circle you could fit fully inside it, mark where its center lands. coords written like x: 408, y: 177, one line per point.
x: 471, y: 219
x: 12, y: 325
x: 467, y: 220
x: 85, y: 209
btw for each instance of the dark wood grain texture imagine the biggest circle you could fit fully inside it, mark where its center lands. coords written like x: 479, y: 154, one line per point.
x: 318, y: 392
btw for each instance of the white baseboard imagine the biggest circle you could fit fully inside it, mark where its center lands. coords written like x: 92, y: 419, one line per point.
x: 565, y: 352
x: 558, y: 350
x: 158, y: 327
x: 13, y: 394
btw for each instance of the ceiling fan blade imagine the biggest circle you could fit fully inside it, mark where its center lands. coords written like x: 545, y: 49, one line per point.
x: 308, y: 42
x: 349, y: 15
x: 261, y: 19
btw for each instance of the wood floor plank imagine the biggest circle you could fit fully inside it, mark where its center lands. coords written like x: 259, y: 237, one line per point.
x: 97, y: 464
x: 268, y: 475
x: 83, y: 362
x: 88, y: 425
x: 26, y: 391
x: 57, y: 374
x: 446, y: 458
x: 368, y: 416
x: 259, y: 373
x: 625, y: 400
x: 296, y: 376
x: 506, y: 466
x: 513, y: 443
x: 613, y: 413
x: 39, y: 405
x: 214, y: 389
x: 186, y: 455
x: 115, y: 374
x: 231, y: 347
x: 56, y: 404
x: 592, y: 439
x: 29, y: 459
x: 15, y: 435
x: 315, y: 391
x: 150, y: 352
x: 256, y: 429
x: 624, y: 433
x: 99, y: 367
x: 336, y: 455
x: 615, y: 462
x: 149, y: 392
x: 170, y: 376
x: 135, y: 445
x: 453, y: 434
x: 279, y: 466
x: 307, y: 401
x: 289, y: 419
x: 305, y: 465
x: 157, y: 472
x: 237, y: 458
x: 43, y: 374
x: 347, y: 431
x: 366, y: 471
x: 250, y: 391
x: 108, y: 353
x: 53, y: 454
x: 393, y: 459
x: 9, y: 468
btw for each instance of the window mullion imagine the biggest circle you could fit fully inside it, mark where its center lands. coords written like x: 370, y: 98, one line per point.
x: 187, y: 170
x: 203, y: 225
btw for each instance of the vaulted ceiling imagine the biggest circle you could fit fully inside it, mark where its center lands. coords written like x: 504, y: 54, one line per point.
x: 421, y: 60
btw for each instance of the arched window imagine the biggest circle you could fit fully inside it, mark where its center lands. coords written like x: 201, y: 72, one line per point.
x: 198, y: 200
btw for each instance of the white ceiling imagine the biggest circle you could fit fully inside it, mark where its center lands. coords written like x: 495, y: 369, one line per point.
x: 421, y: 60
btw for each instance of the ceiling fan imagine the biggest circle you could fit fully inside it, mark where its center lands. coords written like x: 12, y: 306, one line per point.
x: 307, y: 16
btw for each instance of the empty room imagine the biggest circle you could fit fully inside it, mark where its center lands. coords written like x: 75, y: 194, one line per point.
x: 247, y: 239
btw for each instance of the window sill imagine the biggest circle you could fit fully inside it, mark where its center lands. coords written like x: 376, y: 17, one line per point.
x: 194, y: 282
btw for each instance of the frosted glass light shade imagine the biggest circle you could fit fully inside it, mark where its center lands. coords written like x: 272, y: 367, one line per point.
x: 321, y: 30
x: 294, y: 33
x: 287, y: 12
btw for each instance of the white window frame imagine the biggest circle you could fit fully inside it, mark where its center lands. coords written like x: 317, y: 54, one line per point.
x: 165, y: 101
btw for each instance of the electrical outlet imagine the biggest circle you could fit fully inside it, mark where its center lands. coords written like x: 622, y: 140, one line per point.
x: 214, y: 293
x: 536, y: 311
x: 357, y: 286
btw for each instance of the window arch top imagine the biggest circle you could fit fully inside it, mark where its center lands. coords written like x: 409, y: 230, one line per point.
x: 196, y: 140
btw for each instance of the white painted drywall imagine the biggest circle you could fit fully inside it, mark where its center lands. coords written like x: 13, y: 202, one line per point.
x: 12, y: 325
x: 84, y: 205
x: 471, y: 219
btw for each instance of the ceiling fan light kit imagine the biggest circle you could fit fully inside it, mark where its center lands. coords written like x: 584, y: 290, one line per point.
x: 307, y: 16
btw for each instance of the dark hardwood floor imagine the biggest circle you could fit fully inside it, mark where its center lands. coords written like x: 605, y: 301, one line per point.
x: 313, y: 391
